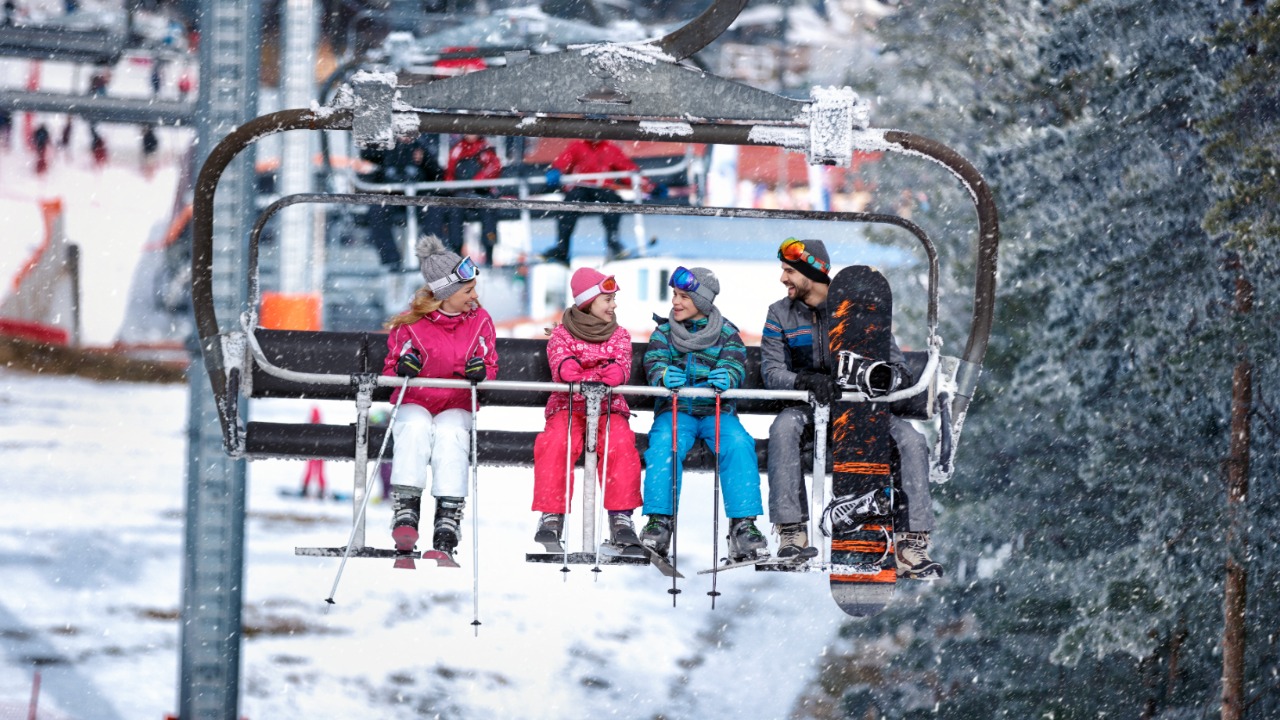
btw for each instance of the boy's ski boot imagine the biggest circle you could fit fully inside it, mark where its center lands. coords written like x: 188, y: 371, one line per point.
x: 448, y: 524
x: 404, y: 527
x: 622, y: 533
x: 912, y: 554
x: 657, y: 534
x: 793, y: 542
x: 746, y: 542
x: 550, y: 529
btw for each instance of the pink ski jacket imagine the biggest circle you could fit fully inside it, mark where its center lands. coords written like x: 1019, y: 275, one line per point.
x: 445, y: 343
x: 608, y: 362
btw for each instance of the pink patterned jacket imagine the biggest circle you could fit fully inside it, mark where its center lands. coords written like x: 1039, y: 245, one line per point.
x: 608, y: 362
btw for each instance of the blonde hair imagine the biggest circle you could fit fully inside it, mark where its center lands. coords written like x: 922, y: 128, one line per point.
x: 423, y: 304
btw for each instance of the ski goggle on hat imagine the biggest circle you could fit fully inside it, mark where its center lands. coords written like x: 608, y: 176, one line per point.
x: 793, y: 250
x: 684, y: 280
x: 464, y: 271
x: 605, y: 287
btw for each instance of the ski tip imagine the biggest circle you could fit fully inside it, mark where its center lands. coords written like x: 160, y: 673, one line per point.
x: 441, y: 558
x: 405, y: 563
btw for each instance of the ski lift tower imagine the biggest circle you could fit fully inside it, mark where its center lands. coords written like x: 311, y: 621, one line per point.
x: 213, y: 568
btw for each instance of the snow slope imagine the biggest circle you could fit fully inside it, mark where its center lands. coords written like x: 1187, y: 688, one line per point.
x: 110, y: 211
x: 91, y: 546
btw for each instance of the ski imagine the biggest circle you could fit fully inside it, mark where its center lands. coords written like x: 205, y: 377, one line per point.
x: 860, y: 518
x: 441, y: 559
x: 726, y: 564
x: 664, y: 566
x: 553, y: 546
x: 623, y: 551
x: 406, y: 538
x: 607, y: 556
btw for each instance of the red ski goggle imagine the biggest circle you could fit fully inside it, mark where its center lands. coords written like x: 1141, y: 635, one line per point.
x: 464, y: 271
x: 606, y: 286
x: 684, y: 280
x: 793, y: 250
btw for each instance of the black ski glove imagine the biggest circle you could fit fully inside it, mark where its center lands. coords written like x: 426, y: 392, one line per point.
x: 475, y: 370
x: 821, y: 385
x: 409, y: 365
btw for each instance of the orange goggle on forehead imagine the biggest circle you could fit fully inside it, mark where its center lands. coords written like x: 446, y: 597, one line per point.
x: 793, y: 250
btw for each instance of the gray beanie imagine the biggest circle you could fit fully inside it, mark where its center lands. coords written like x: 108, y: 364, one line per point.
x: 704, y: 298
x: 436, y: 263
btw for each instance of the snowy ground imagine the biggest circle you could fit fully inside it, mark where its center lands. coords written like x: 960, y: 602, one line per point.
x: 91, y: 549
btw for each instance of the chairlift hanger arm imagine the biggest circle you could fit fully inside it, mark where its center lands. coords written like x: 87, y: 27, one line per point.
x: 700, y: 31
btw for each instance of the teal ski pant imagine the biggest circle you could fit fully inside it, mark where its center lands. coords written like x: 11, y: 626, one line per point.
x: 739, y: 471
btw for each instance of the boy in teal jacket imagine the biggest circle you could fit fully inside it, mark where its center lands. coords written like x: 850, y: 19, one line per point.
x: 697, y: 347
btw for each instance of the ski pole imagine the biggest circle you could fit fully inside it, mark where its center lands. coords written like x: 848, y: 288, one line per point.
x: 368, y: 490
x: 603, y: 513
x: 715, y: 510
x: 675, y: 459
x: 568, y: 489
x: 475, y: 514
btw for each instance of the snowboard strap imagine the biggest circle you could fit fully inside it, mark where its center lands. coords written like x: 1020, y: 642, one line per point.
x: 851, y: 512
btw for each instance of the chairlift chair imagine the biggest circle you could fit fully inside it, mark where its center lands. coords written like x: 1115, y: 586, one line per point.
x: 626, y: 92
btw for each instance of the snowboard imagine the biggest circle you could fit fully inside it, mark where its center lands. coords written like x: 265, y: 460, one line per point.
x: 863, y: 569
x: 293, y: 494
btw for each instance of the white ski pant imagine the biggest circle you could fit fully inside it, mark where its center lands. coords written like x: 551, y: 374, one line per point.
x: 441, y: 442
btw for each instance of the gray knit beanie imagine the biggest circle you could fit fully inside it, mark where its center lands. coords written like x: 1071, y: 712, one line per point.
x: 704, y: 298
x: 436, y: 263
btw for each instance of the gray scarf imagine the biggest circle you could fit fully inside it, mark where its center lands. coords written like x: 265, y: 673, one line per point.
x: 685, y: 341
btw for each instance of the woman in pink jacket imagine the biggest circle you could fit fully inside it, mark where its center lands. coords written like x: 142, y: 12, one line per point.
x: 443, y: 334
x: 588, y: 346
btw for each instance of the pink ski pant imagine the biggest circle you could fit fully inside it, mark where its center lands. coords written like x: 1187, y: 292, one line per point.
x: 621, y: 477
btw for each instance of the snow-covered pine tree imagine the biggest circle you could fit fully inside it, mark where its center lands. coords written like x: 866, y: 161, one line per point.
x: 1243, y: 154
x: 1093, y: 456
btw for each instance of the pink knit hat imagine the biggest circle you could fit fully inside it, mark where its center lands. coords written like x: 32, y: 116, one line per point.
x: 587, y: 283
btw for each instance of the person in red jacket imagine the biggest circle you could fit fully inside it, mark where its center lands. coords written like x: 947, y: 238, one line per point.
x: 588, y: 156
x: 588, y: 346
x: 472, y: 158
x: 444, y: 334
x: 315, y: 466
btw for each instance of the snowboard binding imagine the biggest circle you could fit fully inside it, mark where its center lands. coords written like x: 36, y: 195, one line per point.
x: 872, y: 378
x: 848, y: 513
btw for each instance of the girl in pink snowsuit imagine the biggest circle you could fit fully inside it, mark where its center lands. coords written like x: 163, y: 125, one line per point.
x: 588, y: 346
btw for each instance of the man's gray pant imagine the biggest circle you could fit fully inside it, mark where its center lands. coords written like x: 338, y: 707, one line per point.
x: 788, y: 502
